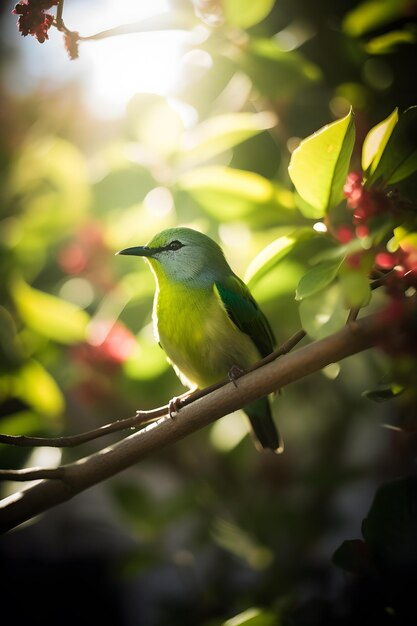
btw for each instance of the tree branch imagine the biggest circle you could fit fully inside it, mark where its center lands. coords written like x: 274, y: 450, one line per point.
x: 141, y: 417
x: 70, y: 441
x: 78, y: 476
x: 167, y: 21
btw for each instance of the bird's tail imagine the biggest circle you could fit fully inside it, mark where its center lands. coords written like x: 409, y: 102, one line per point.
x: 265, y: 432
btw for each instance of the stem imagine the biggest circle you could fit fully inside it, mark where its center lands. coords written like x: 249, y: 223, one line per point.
x: 141, y: 417
x: 58, y: 19
x: 78, y: 476
x: 167, y: 21
x: 69, y: 441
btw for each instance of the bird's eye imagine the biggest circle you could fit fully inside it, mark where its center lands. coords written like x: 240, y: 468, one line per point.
x: 175, y: 245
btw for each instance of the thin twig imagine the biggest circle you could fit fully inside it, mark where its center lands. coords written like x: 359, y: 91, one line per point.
x: 58, y: 20
x: 166, y: 21
x: 33, y: 473
x: 90, y: 470
x: 142, y: 417
x: 69, y: 441
x: 379, y: 282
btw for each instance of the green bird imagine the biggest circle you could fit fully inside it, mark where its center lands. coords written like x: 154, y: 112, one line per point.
x: 206, y: 319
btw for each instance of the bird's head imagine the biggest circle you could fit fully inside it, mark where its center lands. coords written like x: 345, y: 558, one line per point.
x: 181, y: 254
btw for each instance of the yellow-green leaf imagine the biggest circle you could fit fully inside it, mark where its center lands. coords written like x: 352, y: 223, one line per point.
x: 35, y: 386
x: 355, y: 288
x: 375, y: 142
x: 319, y: 166
x: 229, y: 194
x: 221, y: 133
x: 274, y: 253
x: 274, y: 72
x: 373, y: 14
x: 399, y: 157
x: 21, y: 423
x: 253, y: 617
x: 246, y: 13
x: 317, y: 278
x: 389, y: 42
x: 48, y: 315
x: 323, y: 313
x: 51, y: 174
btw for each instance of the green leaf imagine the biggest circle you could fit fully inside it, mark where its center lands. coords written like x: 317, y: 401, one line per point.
x: 389, y: 42
x: 242, y: 544
x: 399, y: 158
x: 317, y: 278
x: 275, y: 252
x: 375, y: 142
x: 280, y: 282
x: 48, y: 315
x: 253, y: 617
x: 323, y: 313
x: 123, y: 187
x: 404, y: 238
x: 11, y: 350
x: 384, y: 392
x: 373, y: 14
x: 355, y: 288
x: 221, y: 133
x: 310, y: 212
x: 319, y: 166
x: 274, y: 72
x: 229, y: 194
x: 35, y: 386
x: 21, y: 423
x: 246, y: 13
x: 52, y: 176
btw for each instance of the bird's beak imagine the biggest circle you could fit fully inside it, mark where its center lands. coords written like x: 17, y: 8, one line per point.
x: 137, y: 251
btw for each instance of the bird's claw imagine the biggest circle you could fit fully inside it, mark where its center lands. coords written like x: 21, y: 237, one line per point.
x: 174, y: 406
x: 234, y: 373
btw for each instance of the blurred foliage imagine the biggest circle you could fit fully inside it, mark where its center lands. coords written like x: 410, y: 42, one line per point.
x: 261, y: 145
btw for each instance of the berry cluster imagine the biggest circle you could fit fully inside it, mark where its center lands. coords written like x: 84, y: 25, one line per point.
x: 32, y: 18
x: 86, y: 254
x: 99, y: 360
x: 403, y: 262
x: 111, y: 344
x: 365, y: 203
x: 399, y: 267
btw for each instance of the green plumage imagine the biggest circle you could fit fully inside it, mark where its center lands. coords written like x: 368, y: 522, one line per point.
x: 206, y: 319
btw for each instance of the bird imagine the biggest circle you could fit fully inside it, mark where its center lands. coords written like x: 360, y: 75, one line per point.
x: 206, y: 320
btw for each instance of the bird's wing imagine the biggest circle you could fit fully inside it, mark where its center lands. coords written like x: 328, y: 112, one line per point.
x: 244, y: 312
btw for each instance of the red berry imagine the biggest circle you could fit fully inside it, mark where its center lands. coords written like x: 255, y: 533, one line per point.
x: 385, y: 260
x: 344, y: 234
x: 362, y: 231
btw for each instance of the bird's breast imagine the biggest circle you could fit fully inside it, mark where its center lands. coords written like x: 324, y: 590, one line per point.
x: 198, y: 336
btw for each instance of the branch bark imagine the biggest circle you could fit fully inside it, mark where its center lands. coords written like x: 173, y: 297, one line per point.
x: 78, y: 476
x: 140, y: 419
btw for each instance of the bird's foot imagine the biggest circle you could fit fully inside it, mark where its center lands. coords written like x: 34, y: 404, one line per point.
x: 174, y: 406
x: 234, y: 373
x: 175, y: 403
